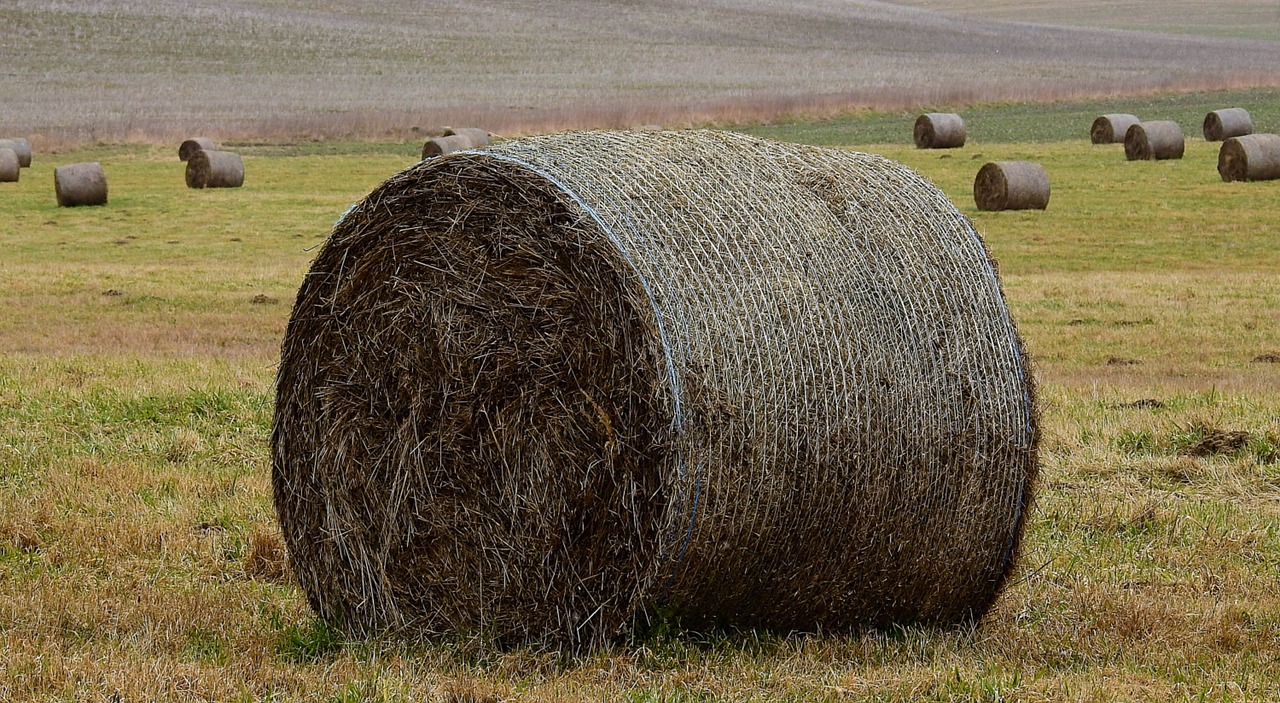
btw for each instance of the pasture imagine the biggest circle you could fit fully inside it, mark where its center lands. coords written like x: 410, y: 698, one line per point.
x: 139, y: 557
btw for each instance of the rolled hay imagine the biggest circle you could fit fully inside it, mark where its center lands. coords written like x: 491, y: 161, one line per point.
x: 1227, y: 123
x: 479, y: 138
x: 439, y: 146
x: 194, y: 144
x: 21, y: 147
x: 214, y: 169
x: 1011, y: 185
x: 1156, y: 140
x: 80, y: 184
x: 1251, y: 157
x: 939, y: 130
x: 9, y: 168
x: 1111, y: 128
x: 545, y: 390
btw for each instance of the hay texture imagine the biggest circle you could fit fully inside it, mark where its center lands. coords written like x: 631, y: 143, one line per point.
x: 1011, y: 185
x: 544, y: 390
x: 191, y: 146
x: 1110, y: 129
x: 439, y: 146
x: 80, y: 184
x: 1158, y: 140
x: 215, y: 169
x: 479, y: 138
x: 939, y: 130
x: 9, y: 166
x: 1227, y: 123
x: 1252, y: 157
x: 21, y: 147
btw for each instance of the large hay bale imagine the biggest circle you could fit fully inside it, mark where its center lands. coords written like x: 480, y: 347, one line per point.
x: 10, y: 167
x: 194, y: 144
x: 543, y: 390
x: 1111, y: 128
x: 21, y: 147
x: 1251, y: 157
x: 939, y: 130
x: 1227, y: 123
x: 479, y: 138
x: 1156, y: 140
x: 80, y: 184
x: 1011, y: 185
x: 214, y: 169
x: 439, y: 146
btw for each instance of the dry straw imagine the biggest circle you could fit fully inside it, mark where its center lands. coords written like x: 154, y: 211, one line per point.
x: 9, y: 166
x: 1252, y: 157
x: 1011, y: 185
x: 214, y: 169
x: 1224, y: 124
x: 1110, y: 129
x: 939, y: 130
x: 21, y: 147
x: 80, y: 184
x: 545, y: 390
x: 191, y: 146
x: 439, y: 146
x: 1161, y: 139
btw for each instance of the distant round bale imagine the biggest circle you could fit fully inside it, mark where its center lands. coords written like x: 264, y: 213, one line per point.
x: 9, y: 168
x: 1227, y: 123
x: 80, y: 184
x: 939, y: 130
x: 1011, y: 185
x: 439, y: 146
x: 21, y: 147
x: 479, y: 138
x: 1251, y: 157
x: 1111, y: 128
x: 194, y: 144
x: 215, y: 169
x: 1154, y: 141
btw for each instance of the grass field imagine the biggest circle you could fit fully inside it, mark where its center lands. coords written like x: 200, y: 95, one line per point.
x: 139, y: 559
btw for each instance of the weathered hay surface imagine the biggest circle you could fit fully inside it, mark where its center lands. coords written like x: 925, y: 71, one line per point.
x: 439, y: 146
x: 1252, y: 157
x: 9, y: 166
x: 80, y: 184
x: 22, y: 147
x: 1227, y: 123
x: 1110, y: 129
x: 191, y: 146
x: 1157, y: 140
x: 939, y: 130
x: 479, y: 138
x: 1011, y: 185
x: 214, y: 169
x: 543, y: 390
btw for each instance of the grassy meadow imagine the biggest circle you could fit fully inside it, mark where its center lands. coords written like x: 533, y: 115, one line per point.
x: 139, y: 559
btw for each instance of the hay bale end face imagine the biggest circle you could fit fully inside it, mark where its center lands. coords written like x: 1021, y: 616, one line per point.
x: 939, y: 130
x: 80, y: 184
x: 214, y: 169
x: 9, y: 168
x: 479, y: 138
x: 1111, y: 128
x: 1251, y: 157
x: 20, y: 146
x: 1227, y: 123
x: 1011, y: 185
x: 191, y: 146
x: 543, y: 390
x: 440, y: 146
x: 1157, y: 140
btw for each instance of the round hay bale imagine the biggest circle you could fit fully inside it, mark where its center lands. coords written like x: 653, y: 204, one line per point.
x: 1157, y: 140
x: 9, y: 166
x: 479, y: 138
x: 80, y: 184
x: 439, y: 146
x: 1227, y: 123
x: 1011, y: 185
x: 194, y: 144
x: 21, y: 147
x: 1251, y: 157
x: 1110, y: 129
x: 939, y: 130
x: 214, y: 169
x: 544, y: 390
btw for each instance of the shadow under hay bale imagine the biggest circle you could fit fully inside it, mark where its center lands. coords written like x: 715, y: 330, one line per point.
x: 9, y: 166
x: 1111, y: 128
x: 939, y: 130
x: 1227, y: 123
x: 80, y: 184
x: 545, y: 389
x: 479, y: 138
x: 214, y: 169
x: 1154, y: 141
x: 191, y: 146
x: 1011, y: 185
x: 439, y: 146
x: 21, y: 147
x: 1252, y: 157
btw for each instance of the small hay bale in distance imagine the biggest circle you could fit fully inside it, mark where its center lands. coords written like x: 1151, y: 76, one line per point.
x: 80, y: 184
x: 214, y: 169
x: 194, y: 144
x: 1111, y: 128
x: 479, y: 138
x: 939, y: 130
x: 440, y: 146
x: 1011, y: 185
x: 1251, y: 157
x: 1227, y: 123
x: 9, y: 166
x: 22, y: 147
x: 545, y: 389
x: 1154, y: 141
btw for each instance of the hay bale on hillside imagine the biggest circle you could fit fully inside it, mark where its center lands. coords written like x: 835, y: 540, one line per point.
x: 21, y: 147
x: 1011, y: 185
x: 939, y: 130
x: 1156, y: 140
x: 1252, y: 157
x: 479, y: 138
x: 1111, y: 128
x: 214, y: 169
x: 439, y: 146
x: 9, y: 166
x: 1227, y: 123
x: 545, y: 389
x: 80, y: 184
x: 194, y: 144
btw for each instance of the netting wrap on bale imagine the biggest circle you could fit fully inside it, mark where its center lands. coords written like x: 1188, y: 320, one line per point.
x: 939, y: 130
x: 1154, y: 141
x: 80, y: 184
x: 1011, y: 185
x: 1251, y: 157
x: 1227, y: 123
x: 543, y: 390
x: 1111, y: 128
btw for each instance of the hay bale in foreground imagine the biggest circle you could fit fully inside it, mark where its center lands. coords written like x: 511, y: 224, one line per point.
x: 1156, y: 140
x: 194, y: 144
x: 9, y: 166
x: 21, y: 147
x: 546, y: 389
x: 939, y: 130
x: 479, y: 138
x: 439, y: 146
x: 1111, y: 128
x: 1227, y: 123
x: 1011, y: 185
x: 214, y: 169
x: 1251, y: 157
x: 80, y: 184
